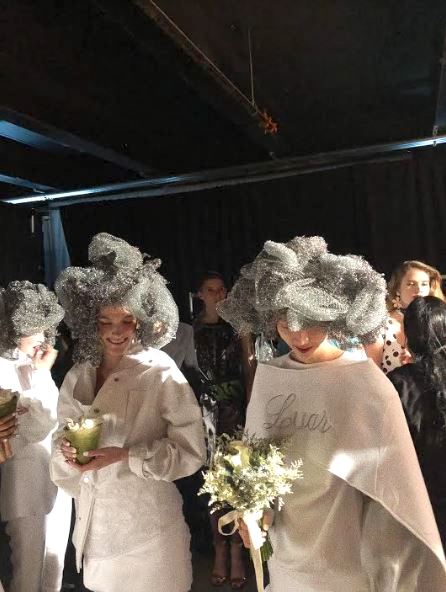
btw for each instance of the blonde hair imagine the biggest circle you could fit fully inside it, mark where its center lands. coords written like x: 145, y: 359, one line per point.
x: 397, y: 277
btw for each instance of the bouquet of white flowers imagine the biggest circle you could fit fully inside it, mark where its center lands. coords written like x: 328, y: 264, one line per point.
x: 248, y: 475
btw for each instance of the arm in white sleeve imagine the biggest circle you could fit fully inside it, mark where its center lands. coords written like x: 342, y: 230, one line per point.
x: 62, y: 474
x: 182, y: 451
x: 40, y: 400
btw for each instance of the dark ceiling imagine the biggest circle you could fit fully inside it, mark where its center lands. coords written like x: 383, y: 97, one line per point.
x: 104, y: 91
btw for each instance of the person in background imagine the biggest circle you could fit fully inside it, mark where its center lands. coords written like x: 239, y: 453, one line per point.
x: 227, y: 364
x: 360, y: 518
x: 422, y: 389
x: 130, y: 531
x: 37, y: 514
x: 408, y: 281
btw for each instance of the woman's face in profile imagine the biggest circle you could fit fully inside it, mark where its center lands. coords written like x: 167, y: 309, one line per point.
x: 415, y: 283
x: 116, y: 329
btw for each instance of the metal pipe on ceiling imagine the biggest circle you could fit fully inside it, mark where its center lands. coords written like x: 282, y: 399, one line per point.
x: 241, y: 174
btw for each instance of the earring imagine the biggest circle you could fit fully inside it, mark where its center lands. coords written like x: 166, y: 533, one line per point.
x: 396, y: 302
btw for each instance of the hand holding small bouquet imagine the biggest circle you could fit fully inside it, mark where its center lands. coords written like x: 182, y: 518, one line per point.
x: 8, y: 405
x: 248, y: 475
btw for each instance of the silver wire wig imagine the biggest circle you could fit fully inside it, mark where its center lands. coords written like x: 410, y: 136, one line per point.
x: 27, y: 309
x: 304, y: 284
x: 119, y: 275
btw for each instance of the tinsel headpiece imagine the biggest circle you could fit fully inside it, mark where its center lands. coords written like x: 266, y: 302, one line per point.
x: 27, y: 309
x: 301, y: 282
x: 119, y: 275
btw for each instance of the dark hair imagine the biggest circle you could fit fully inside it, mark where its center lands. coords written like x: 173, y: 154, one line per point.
x: 209, y: 275
x: 425, y: 329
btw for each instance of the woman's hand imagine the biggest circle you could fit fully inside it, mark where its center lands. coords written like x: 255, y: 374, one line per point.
x: 44, y: 360
x: 267, y: 520
x: 68, y: 451
x: 102, y: 457
x: 8, y: 426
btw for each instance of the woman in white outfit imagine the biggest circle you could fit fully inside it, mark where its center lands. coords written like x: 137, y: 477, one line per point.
x: 360, y: 519
x: 8, y: 427
x: 129, y: 523
x: 37, y: 514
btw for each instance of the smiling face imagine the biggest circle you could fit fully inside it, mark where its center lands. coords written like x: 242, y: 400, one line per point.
x: 308, y: 346
x: 31, y: 344
x: 116, y: 329
x: 415, y: 282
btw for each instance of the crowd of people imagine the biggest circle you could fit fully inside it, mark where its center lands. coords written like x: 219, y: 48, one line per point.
x: 360, y: 397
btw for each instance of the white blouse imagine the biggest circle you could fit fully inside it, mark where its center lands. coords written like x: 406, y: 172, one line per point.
x: 26, y: 487
x: 149, y: 408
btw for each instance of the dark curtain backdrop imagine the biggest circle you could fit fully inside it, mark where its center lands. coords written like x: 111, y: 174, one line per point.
x: 387, y: 211
x: 21, y: 251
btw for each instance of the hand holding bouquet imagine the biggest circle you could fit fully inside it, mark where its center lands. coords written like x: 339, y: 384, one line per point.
x: 8, y: 406
x: 248, y: 475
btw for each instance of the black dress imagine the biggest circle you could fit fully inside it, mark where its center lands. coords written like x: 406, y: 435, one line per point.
x: 428, y: 432
x: 219, y: 358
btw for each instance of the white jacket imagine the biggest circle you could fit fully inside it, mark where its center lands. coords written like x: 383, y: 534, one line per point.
x: 26, y: 487
x: 149, y: 408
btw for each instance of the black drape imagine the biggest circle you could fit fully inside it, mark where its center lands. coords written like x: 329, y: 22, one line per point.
x: 387, y: 211
x: 21, y: 249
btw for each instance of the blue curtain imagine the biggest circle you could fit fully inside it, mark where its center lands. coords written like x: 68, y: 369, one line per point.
x: 55, y: 251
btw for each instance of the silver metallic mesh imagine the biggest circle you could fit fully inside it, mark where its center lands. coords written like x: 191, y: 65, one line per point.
x: 27, y: 309
x: 303, y: 283
x: 119, y: 275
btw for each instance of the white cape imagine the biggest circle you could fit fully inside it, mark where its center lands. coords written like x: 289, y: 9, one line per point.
x: 347, y: 419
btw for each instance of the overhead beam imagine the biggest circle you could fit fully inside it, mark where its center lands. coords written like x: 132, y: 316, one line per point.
x: 238, y: 175
x: 155, y: 35
x: 25, y: 167
x: 69, y: 140
x: 59, y: 171
x: 25, y: 183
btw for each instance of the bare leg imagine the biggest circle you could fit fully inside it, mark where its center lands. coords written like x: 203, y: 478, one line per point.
x: 220, y: 569
x: 238, y: 571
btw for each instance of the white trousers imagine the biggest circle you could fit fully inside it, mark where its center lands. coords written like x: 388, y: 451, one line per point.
x: 38, y: 544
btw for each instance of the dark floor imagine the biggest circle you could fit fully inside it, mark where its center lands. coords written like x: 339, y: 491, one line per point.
x: 202, y: 566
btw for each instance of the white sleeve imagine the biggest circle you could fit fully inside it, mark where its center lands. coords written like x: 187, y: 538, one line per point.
x: 182, y: 451
x: 62, y: 474
x: 40, y: 399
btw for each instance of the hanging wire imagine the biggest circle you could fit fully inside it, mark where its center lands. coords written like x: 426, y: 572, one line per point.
x: 251, y: 69
x: 208, y: 60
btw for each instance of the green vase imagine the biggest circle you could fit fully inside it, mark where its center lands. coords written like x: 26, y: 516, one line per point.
x: 9, y: 407
x: 84, y: 439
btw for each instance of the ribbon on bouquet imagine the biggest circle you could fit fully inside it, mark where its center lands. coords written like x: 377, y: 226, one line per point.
x: 256, y: 537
